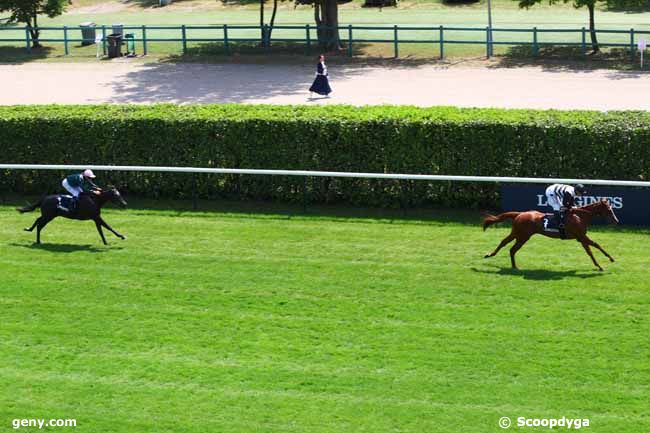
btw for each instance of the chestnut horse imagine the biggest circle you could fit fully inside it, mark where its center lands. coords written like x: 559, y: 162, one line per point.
x: 526, y: 224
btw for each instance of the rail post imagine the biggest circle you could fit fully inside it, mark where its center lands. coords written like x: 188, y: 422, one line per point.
x: 225, y: 39
x: 195, y: 200
x: 349, y: 40
x: 308, y: 39
x: 65, y: 40
x: 632, y: 47
x: 584, y: 42
x: 304, y: 194
x: 104, y: 40
x: 487, y: 42
x: 144, y: 40
x: 395, y: 39
x: 402, y: 197
x: 442, y: 43
x: 535, y: 46
x: 184, y: 33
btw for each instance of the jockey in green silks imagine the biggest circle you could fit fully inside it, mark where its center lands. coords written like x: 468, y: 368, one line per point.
x: 77, y: 184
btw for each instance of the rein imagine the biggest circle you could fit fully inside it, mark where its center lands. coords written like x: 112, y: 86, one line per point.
x: 589, y: 210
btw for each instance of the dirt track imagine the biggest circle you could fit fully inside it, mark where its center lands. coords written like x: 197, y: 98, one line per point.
x: 121, y: 82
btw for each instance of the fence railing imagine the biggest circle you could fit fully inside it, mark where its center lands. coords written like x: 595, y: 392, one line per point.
x: 308, y: 36
x: 341, y: 174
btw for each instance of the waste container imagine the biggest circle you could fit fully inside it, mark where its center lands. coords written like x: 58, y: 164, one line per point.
x: 118, y: 28
x: 88, y: 33
x: 129, y: 39
x: 114, y: 45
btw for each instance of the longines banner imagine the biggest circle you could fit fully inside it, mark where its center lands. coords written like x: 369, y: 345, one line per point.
x: 631, y: 205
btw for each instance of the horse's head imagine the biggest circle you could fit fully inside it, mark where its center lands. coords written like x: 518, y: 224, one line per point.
x: 604, y: 208
x: 114, y: 195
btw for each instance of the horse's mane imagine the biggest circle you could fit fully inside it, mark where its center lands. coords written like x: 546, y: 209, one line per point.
x: 591, y: 207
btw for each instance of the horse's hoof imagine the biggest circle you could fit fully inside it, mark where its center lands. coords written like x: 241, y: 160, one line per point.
x: 487, y: 256
x: 611, y: 259
x: 123, y: 238
x: 600, y: 269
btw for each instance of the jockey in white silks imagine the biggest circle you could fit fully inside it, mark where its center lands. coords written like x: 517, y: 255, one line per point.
x: 562, y: 197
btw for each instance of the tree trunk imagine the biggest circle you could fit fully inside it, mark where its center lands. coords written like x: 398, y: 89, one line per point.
x: 326, y: 15
x: 592, y: 28
x: 272, y: 23
x: 34, y: 32
x: 262, y: 36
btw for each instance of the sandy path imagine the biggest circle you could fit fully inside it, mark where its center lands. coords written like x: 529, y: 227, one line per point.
x: 121, y: 82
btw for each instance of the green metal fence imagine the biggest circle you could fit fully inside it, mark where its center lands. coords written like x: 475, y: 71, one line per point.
x: 438, y: 37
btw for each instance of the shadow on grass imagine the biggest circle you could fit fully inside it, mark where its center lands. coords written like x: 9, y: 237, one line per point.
x: 539, y: 274
x: 20, y: 54
x: 241, y: 2
x: 148, y: 3
x: 64, y: 248
x: 294, y: 53
x: 565, y: 58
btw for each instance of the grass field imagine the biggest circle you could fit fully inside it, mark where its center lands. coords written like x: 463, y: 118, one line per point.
x: 230, y: 321
x: 506, y: 14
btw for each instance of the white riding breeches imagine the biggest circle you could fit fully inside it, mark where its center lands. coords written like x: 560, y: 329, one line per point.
x: 553, y: 200
x: 74, y: 190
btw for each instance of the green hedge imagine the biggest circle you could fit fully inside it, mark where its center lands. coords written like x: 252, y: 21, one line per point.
x: 338, y: 138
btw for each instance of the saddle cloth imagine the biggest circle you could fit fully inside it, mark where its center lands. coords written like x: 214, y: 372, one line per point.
x: 66, y: 203
x: 551, y: 223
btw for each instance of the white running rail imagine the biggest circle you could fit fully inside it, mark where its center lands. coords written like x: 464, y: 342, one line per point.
x: 546, y: 180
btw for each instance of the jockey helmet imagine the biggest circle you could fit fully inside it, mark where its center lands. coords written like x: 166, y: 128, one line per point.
x: 89, y: 173
x: 580, y: 189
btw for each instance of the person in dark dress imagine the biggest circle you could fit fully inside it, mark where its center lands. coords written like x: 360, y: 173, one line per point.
x: 321, y: 84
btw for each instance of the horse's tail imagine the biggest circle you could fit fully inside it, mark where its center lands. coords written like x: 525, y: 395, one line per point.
x: 494, y: 219
x: 30, y: 207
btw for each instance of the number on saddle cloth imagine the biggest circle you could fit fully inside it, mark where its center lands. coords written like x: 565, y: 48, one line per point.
x: 551, y: 223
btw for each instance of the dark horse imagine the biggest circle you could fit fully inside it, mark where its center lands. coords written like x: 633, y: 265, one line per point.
x: 526, y: 224
x: 89, y: 207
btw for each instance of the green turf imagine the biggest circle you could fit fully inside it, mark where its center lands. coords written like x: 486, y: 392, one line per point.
x: 238, y: 322
x: 506, y: 14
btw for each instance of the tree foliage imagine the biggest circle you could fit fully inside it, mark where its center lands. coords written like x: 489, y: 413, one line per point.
x: 27, y: 12
x: 591, y: 6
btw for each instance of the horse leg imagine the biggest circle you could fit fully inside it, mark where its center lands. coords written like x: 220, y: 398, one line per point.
x: 503, y: 243
x: 99, y: 229
x: 40, y: 226
x: 105, y: 224
x: 34, y: 225
x: 596, y: 245
x: 585, y: 244
x: 520, y: 243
